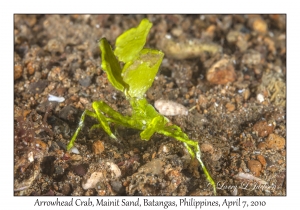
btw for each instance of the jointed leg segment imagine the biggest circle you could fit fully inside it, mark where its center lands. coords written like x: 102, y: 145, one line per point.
x: 101, y: 107
x: 82, y: 118
x: 192, y: 147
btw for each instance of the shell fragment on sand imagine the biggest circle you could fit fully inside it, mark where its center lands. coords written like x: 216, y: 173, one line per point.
x: 170, y: 108
x: 56, y: 98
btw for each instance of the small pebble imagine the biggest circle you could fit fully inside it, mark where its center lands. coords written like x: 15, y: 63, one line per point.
x: 202, y: 101
x: 76, y: 157
x: 59, y: 170
x: 38, y: 87
x: 116, y: 172
x: 84, y: 100
x: 73, y: 90
x: 176, y: 178
x: 246, y: 94
x: 262, y: 146
x: 207, y: 147
x: 255, y: 167
x: 18, y: 71
x: 66, y: 189
x: 216, y: 155
x: 210, y: 31
x: 85, y: 82
x: 260, y: 97
x: 263, y: 128
x: 56, y: 74
x: 238, y: 38
x: 98, y: 147
x: 80, y: 170
x: 68, y: 113
x: 176, y: 32
x: 170, y: 108
x: 117, y: 186
x: 234, y: 192
x: 54, y: 46
x: 280, y: 161
x: 271, y: 45
x: 163, y: 149
x: 74, y: 150
x: 41, y: 145
x: 221, y: 72
x: 30, y: 156
x: 153, y: 167
x: 60, y: 91
x: 251, y: 57
x: 92, y: 181
x: 262, y: 160
x: 230, y: 107
x: 31, y: 68
x: 275, y: 141
x: 260, y: 26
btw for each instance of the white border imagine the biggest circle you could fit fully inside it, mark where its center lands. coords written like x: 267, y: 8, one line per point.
x: 8, y: 8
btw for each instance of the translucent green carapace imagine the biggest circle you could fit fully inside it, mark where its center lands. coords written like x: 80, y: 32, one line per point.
x: 134, y: 79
